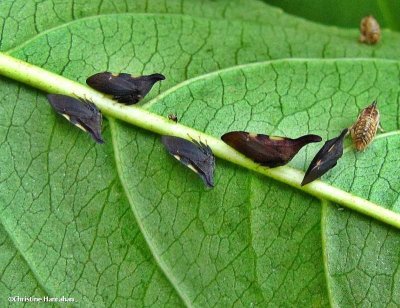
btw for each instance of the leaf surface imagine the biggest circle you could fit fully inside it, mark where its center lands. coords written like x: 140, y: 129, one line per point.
x: 67, y: 217
x: 344, y: 13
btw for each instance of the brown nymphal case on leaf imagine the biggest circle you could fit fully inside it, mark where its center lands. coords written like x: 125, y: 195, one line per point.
x: 267, y: 150
x: 197, y: 156
x: 124, y: 87
x: 370, y: 31
x: 326, y: 158
x: 364, y: 129
x: 80, y: 112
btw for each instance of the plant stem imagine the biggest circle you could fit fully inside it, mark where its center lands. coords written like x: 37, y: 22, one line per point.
x: 53, y: 83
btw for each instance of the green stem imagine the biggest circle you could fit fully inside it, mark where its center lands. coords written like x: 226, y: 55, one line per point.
x: 53, y: 83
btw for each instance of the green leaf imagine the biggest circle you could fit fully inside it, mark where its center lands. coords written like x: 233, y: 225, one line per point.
x: 76, y: 232
x: 344, y: 13
x: 272, y: 231
x: 21, y: 20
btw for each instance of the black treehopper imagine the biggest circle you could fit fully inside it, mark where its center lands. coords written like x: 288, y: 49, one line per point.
x: 267, y: 150
x: 80, y: 112
x: 195, y: 155
x: 326, y: 158
x: 123, y: 87
x: 173, y: 117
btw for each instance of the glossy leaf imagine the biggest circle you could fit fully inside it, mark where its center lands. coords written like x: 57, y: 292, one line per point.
x: 326, y: 158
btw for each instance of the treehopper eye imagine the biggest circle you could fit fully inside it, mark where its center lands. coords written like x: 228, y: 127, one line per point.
x: 82, y: 113
x: 197, y: 156
x: 270, y: 151
x: 123, y: 87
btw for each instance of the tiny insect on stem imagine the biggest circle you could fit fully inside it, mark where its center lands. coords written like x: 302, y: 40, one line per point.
x: 123, y: 87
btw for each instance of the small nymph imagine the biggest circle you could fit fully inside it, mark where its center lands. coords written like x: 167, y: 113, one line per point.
x: 326, y: 158
x: 173, y: 117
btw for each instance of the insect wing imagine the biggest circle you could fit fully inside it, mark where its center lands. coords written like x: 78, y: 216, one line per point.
x: 253, y: 146
x: 144, y: 84
x: 370, y: 31
x: 205, y: 163
x: 194, y: 155
x: 109, y: 83
x: 325, y: 159
x: 82, y: 113
x: 266, y: 150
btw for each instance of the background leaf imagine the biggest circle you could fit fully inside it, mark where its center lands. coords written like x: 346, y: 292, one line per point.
x: 158, y: 238
x: 343, y: 13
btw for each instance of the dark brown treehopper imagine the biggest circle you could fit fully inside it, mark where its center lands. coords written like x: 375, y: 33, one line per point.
x: 173, y: 117
x: 364, y: 129
x: 80, y: 112
x: 267, y: 150
x: 197, y: 156
x: 123, y: 87
x: 326, y: 158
